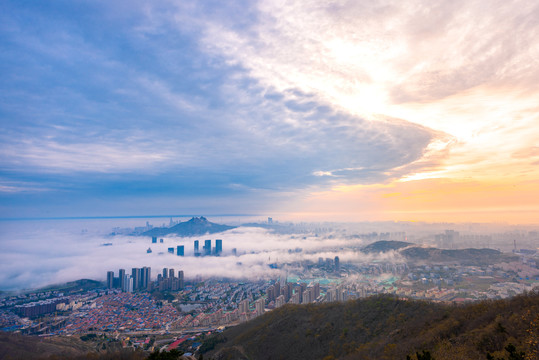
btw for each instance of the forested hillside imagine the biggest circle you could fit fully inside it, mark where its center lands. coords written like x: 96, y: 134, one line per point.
x: 384, y: 327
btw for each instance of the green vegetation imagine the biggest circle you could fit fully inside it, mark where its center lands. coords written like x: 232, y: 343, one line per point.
x: 385, y: 327
x: 165, y: 355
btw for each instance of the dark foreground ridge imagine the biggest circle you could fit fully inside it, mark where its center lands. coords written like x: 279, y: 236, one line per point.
x: 384, y: 327
x: 193, y: 227
x: 378, y: 327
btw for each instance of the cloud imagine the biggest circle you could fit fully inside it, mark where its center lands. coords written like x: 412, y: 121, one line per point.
x: 199, y: 99
x: 37, y: 253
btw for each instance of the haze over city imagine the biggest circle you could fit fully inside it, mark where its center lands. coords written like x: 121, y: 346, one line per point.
x: 349, y: 111
x: 256, y: 179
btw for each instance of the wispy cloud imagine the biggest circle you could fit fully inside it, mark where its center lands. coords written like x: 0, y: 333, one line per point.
x: 194, y: 98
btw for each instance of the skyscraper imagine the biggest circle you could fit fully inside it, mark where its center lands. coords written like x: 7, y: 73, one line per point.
x: 196, y: 248
x: 171, y: 273
x: 337, y: 264
x: 135, y: 274
x: 218, y: 247
x: 180, y: 277
x: 128, y: 283
x: 145, y: 277
x: 165, y: 273
x: 110, y: 279
x: 122, y: 278
x: 207, y: 247
x: 149, y: 273
x: 180, y: 250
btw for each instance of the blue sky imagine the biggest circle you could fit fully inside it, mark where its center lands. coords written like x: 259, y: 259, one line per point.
x: 133, y: 108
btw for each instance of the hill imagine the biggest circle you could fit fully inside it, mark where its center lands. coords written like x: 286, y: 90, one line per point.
x: 74, y: 286
x: 384, y: 327
x: 193, y: 227
x: 385, y: 246
x: 414, y: 253
x: 23, y: 347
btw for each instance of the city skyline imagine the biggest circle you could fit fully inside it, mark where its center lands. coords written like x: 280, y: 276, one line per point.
x: 352, y: 111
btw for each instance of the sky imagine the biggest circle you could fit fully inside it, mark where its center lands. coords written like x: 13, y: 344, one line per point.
x: 350, y: 110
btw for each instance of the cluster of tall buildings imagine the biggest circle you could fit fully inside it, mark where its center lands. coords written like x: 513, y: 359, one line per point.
x: 330, y: 264
x: 138, y: 280
x: 168, y: 280
x: 300, y: 293
x: 180, y: 250
x: 207, y: 249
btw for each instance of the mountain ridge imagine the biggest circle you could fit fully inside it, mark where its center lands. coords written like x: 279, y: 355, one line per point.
x: 195, y: 226
x: 384, y: 327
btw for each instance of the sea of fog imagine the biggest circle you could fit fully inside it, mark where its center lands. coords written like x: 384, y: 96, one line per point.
x: 35, y: 253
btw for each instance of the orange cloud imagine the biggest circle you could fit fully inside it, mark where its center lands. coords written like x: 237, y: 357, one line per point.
x: 431, y: 200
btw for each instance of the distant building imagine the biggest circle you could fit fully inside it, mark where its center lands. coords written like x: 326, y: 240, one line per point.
x: 337, y: 264
x: 243, y: 306
x: 207, y: 247
x: 110, y: 279
x: 171, y: 250
x: 218, y: 247
x: 180, y: 250
x: 154, y: 239
x: 279, y: 301
x: 145, y: 278
x: 259, y: 306
x: 135, y: 274
x: 197, y: 251
x: 127, y: 283
x: 121, y: 276
x: 180, y: 278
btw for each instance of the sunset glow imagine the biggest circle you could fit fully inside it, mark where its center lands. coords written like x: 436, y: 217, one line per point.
x: 416, y: 110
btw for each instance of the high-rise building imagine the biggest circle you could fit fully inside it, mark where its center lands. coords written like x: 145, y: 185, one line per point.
x: 135, y: 274
x: 197, y: 252
x: 154, y: 239
x: 259, y: 306
x: 110, y: 279
x: 121, y: 276
x: 171, y: 273
x: 316, y: 289
x: 207, y: 247
x: 337, y: 264
x: 302, y: 288
x: 180, y: 250
x: 279, y: 301
x: 128, y: 283
x: 180, y: 277
x: 144, y: 277
x: 243, y: 307
x: 270, y: 292
x: 165, y: 273
x: 277, y: 286
x: 218, y: 247
x: 149, y: 278
x: 307, y: 296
